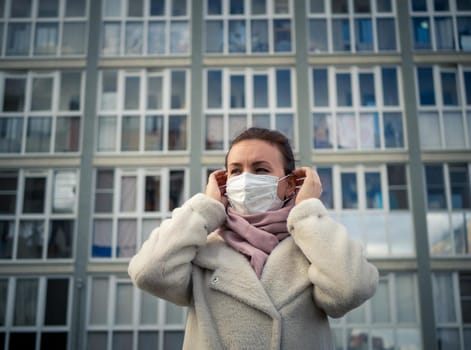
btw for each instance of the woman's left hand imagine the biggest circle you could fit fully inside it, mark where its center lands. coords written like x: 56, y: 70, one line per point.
x: 308, y: 184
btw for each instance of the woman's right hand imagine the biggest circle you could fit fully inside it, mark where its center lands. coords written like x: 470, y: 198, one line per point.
x: 216, y: 186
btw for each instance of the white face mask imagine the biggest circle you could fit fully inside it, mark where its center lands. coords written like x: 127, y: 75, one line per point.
x: 250, y: 194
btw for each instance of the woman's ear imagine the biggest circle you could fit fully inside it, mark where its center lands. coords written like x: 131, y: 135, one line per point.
x: 291, y: 188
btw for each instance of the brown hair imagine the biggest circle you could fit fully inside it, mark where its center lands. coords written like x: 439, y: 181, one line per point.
x: 271, y: 136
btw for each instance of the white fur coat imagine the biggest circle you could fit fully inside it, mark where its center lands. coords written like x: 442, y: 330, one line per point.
x: 316, y: 272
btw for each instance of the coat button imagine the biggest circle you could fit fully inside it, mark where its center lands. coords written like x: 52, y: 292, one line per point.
x: 215, y: 279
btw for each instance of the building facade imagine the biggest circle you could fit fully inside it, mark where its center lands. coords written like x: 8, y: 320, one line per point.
x: 113, y: 112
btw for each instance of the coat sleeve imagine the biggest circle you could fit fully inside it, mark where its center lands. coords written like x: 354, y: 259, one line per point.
x: 163, y: 264
x: 342, y: 277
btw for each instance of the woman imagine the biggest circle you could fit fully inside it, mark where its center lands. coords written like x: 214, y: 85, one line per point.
x: 256, y: 259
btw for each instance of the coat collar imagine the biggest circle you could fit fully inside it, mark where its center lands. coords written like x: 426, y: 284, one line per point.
x: 284, y: 275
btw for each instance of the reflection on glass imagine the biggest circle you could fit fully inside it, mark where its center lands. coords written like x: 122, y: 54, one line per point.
x: 374, y: 197
x: 132, y: 92
x: 421, y: 29
x: 59, y: 245
x: 11, y: 135
x: 367, y: 89
x: 111, y: 38
x: 444, y: 298
x: 283, y: 88
x: 405, y: 298
x: 57, y: 299
x: 126, y: 248
x: 177, y: 189
x: 64, y: 192
x: 382, y: 339
x: 7, y: 228
x: 179, y: 8
x: 323, y: 132
x: 173, y: 314
x: 134, y: 38
x: 237, y: 36
x: 156, y: 38
x: 259, y: 36
x: 408, y: 338
x: 327, y: 198
x: 237, y: 123
x: 375, y: 235
x: 390, y: 86
x: 104, y: 191
x: 260, y: 91
x: 152, y: 193
x: 381, y: 304
x: 444, y: 36
x: 214, y: 91
x: 26, y: 300
x: 346, y: 131
x: 364, y: 34
x: 401, y: 234
x: 461, y: 227
x: 18, y: 37
x: 214, y: 132
x: 318, y: 35
x: 214, y: 36
x: 282, y: 35
x: 70, y: 91
x: 107, y: 128
x: 30, y: 239
x: 130, y: 133
x: 38, y: 134
x: 149, y: 309
x: 386, y: 32
x: 344, y: 89
x: 177, y: 138
x: 320, y: 87
x: 109, y: 90
x: 112, y: 8
x: 154, y: 137
x: 459, y: 185
x: 179, y: 37
x: 98, y: 311
x: 341, y: 34
x: 369, y: 131
x: 454, y: 130
x: 435, y: 183
x: 101, y: 241
x: 237, y: 92
x: 128, y: 194
x: 178, y: 92
x: 285, y: 124
x: 14, y: 94
x: 393, y: 130
x: 75, y: 8
x: 429, y: 130
x: 357, y: 339
x: 46, y: 39
x: 41, y: 99
x: 349, y: 190
x: 261, y: 120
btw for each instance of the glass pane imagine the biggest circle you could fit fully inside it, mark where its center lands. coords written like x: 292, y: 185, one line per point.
x: 405, y: 297
x: 31, y: 239
x: 318, y: 35
x: 41, y: 94
x: 236, y: 7
x: 14, y: 95
x: 316, y: 6
x: 127, y: 231
x: 3, y: 300
x: 18, y: 38
x: 214, y: 132
x: 26, y: 300
x: 421, y: 29
x: 444, y: 36
x: 156, y: 39
x: 439, y: 235
x: 429, y: 130
x: 426, y: 88
x: 214, y: 91
x: 459, y: 186
x: 237, y: 36
x: 178, y: 92
x: 339, y: 6
x: 98, y: 311
x: 130, y: 133
x: 173, y: 340
x: 367, y: 89
x: 101, y: 244
x: 402, y: 241
x: 20, y: 8
x: 67, y: 134
x: 444, y: 300
x: 323, y: 132
x: 107, y: 130
x: 109, y: 90
x: 149, y: 309
x: 461, y: 226
x: 34, y: 195
x: 449, y: 88
x: 57, y: 300
x: 51, y: 340
x: 128, y: 193
x: 393, y: 130
x: 157, y: 7
x: 369, y: 131
x: 48, y: 8
x: 122, y: 340
x: 11, y: 131
x: 147, y: 340
x: 344, y: 89
x: 111, y: 38
x: 364, y: 34
x: 112, y: 8
x: 132, y: 92
x: 283, y: 88
x: 374, y: 196
x: 357, y: 315
x: 375, y: 235
x: 386, y: 32
x: 179, y: 37
x: 320, y: 87
x: 435, y: 182
x: 135, y: 8
x: 97, y: 340
x: 467, y: 86
x: 346, y: 131
x: 65, y: 192
x: 154, y: 137
x: 237, y: 91
x: 177, y: 138
x: 361, y: 6
x: 75, y: 8
x: 349, y: 191
x: 38, y: 134
x: 408, y: 339
x: 104, y: 191
x: 341, y: 34
x: 134, y: 38
x: 152, y: 193
x: 70, y: 91
x: 46, y: 39
x: 124, y: 304
x: 61, y: 238
x: 154, y: 93
x: 380, y: 304
x: 463, y: 24
x: 284, y: 122
x: 454, y: 130
x: 177, y: 189
x: 179, y: 8
x: 449, y: 338
x: 260, y: 91
x: 259, y: 37
x: 382, y: 338
x: 7, y: 231
x: 261, y: 120
x: 354, y: 225
x: 214, y: 36
x: 282, y: 35
x: 148, y: 225
x: 173, y: 314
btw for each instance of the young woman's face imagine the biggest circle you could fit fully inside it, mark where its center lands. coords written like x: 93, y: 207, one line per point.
x: 260, y: 158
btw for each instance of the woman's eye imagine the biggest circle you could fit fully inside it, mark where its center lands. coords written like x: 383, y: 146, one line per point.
x: 235, y: 171
x: 261, y: 170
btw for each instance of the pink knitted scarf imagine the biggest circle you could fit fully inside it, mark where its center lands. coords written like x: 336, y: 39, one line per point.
x: 256, y: 235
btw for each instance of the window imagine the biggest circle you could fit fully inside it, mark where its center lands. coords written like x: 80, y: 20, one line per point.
x: 375, y: 321
x: 53, y: 125
x: 36, y: 313
x: 153, y: 321
x: 361, y: 110
x: 254, y: 97
x: 153, y: 27
x: 156, y: 123
x: 439, y: 26
x: 449, y: 208
x: 373, y: 204
x: 129, y: 204
x: 363, y: 27
x: 236, y: 27
x: 443, y: 117
x: 45, y: 229
x: 46, y: 28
